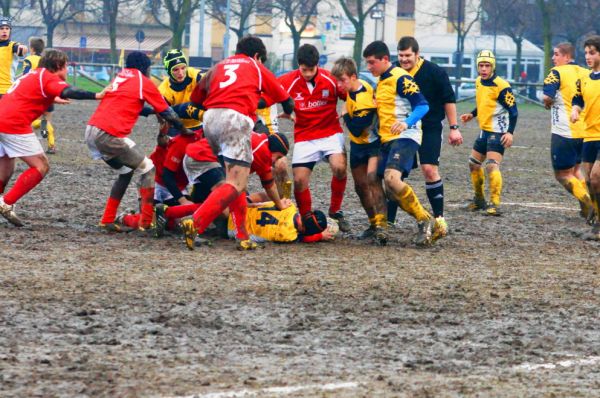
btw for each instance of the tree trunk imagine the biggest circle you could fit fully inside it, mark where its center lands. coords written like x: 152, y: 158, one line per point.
x: 296, y: 38
x: 546, y: 34
x: 112, y: 31
x: 517, y: 71
x: 6, y: 8
x: 178, y: 24
x: 49, y: 34
x: 358, y: 43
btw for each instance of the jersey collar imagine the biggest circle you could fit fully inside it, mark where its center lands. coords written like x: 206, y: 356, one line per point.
x: 388, y: 72
x: 489, y: 82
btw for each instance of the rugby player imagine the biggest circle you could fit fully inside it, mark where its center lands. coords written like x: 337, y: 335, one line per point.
x: 317, y: 131
x: 587, y: 100
x: 8, y: 50
x: 361, y: 119
x: 28, y: 98
x: 437, y: 90
x: 230, y: 92
x: 108, y: 130
x: 36, y: 45
x: 400, y: 107
x: 566, y: 143
x: 496, y: 110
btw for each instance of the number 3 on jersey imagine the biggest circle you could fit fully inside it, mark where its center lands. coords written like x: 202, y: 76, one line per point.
x: 231, y: 75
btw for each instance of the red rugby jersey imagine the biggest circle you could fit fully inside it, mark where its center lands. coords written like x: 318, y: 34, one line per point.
x: 175, y: 154
x: 158, y: 158
x: 237, y: 83
x: 315, y: 108
x: 28, y: 99
x: 120, y: 108
x: 262, y: 164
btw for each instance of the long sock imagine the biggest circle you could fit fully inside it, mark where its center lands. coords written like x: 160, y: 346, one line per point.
x: 338, y: 187
x: 25, y: 183
x: 239, y: 209
x: 392, y: 210
x: 110, y: 210
x: 218, y: 200
x: 36, y: 123
x: 2, y: 186
x: 578, y: 188
x: 304, y: 201
x: 380, y: 220
x: 147, y: 207
x: 408, y: 201
x: 131, y: 220
x: 181, y: 210
x: 50, y: 135
x: 495, y: 177
x: 435, y: 194
x: 478, y: 181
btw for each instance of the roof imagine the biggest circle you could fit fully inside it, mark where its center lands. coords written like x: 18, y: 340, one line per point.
x: 97, y: 37
x: 505, y: 46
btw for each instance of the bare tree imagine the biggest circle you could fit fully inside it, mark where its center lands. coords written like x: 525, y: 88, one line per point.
x: 297, y: 15
x: 576, y: 19
x: 55, y: 12
x: 5, y: 5
x: 357, y: 12
x: 179, y: 12
x: 241, y: 12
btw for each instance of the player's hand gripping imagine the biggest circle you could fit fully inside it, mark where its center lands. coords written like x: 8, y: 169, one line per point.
x: 466, y: 117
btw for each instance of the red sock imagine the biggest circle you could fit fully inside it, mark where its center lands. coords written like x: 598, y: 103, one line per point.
x: 304, y: 201
x: 170, y: 224
x: 131, y: 220
x: 2, y: 186
x: 218, y: 200
x: 25, y: 183
x: 147, y: 207
x: 180, y: 211
x: 338, y: 186
x: 110, y: 211
x: 239, y: 209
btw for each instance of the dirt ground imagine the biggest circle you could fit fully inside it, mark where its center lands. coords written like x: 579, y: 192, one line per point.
x: 87, y: 314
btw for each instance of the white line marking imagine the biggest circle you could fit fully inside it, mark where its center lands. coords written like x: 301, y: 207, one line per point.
x: 528, y: 367
x: 274, y: 391
x: 537, y: 205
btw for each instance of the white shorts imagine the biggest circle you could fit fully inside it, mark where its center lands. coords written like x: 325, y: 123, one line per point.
x: 194, y: 169
x: 228, y: 133
x: 162, y: 194
x: 316, y: 150
x: 19, y: 145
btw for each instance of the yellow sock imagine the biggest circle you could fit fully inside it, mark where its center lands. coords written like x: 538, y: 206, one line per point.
x: 495, y: 186
x: 578, y: 188
x: 379, y: 220
x: 37, y: 123
x: 50, y: 135
x: 409, y: 202
x: 478, y: 181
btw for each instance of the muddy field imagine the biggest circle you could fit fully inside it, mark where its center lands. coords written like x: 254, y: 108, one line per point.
x: 506, y: 306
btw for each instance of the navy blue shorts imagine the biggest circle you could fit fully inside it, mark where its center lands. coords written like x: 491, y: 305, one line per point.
x: 361, y: 153
x: 591, y: 151
x: 205, y: 183
x: 489, y: 142
x: 431, y: 145
x: 398, y: 154
x: 565, y: 152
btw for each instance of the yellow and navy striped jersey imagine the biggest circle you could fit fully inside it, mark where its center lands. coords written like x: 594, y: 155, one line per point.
x: 179, y: 93
x: 496, y: 104
x: 588, y: 98
x: 268, y: 116
x: 396, y: 96
x: 361, y: 116
x: 8, y: 65
x: 30, y: 63
x: 269, y: 224
x: 561, y: 84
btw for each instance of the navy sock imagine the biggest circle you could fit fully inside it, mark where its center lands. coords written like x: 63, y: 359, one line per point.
x: 435, y: 194
x: 392, y: 209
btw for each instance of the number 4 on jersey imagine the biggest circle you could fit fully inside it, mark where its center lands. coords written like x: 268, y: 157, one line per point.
x: 231, y: 75
x: 266, y: 219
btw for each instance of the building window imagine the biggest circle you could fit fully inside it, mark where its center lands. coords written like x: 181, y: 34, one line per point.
x: 406, y: 8
x: 440, y: 60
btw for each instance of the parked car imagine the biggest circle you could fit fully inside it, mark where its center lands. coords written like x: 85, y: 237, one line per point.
x: 466, y: 90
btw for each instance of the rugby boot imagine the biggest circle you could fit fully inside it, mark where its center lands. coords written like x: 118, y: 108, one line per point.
x: 380, y: 235
x: 189, y: 232
x: 477, y: 204
x: 8, y: 212
x: 245, y: 244
x: 44, y: 128
x: 161, y: 220
x: 113, y: 227
x: 424, y: 234
x: 367, y: 233
x: 596, y: 231
x: 493, y: 210
x: 440, y: 229
x: 342, y: 223
x: 51, y: 150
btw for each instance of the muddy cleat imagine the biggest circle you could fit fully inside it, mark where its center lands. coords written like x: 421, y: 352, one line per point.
x: 424, y: 235
x: 477, y: 204
x: 51, y: 150
x: 8, y: 212
x: 440, y: 229
x: 161, y: 220
x: 367, y: 233
x: 493, y: 210
x: 342, y: 223
x: 380, y: 236
x: 246, y: 244
x: 189, y: 232
x: 113, y: 227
